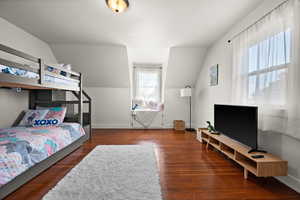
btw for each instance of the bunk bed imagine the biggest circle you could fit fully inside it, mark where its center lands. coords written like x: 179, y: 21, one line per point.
x: 41, y: 79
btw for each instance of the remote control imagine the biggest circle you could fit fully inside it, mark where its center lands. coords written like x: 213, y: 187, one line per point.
x: 258, y: 156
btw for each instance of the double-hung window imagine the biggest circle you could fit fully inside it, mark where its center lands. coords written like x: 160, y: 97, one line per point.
x: 147, y: 85
x: 268, y: 62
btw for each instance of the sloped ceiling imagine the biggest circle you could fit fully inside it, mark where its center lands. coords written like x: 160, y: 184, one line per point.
x: 102, y: 66
x: 88, y: 35
x: 184, y: 66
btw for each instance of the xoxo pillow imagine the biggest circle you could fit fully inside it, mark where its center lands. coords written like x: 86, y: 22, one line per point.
x: 45, y: 122
x: 32, y: 115
x: 54, y: 113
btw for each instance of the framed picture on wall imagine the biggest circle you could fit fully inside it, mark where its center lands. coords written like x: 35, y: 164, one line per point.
x: 214, y: 75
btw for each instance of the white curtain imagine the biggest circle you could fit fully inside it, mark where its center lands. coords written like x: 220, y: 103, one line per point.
x: 266, y: 70
x: 147, y: 89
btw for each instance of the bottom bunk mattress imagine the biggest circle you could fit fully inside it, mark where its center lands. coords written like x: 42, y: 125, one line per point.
x: 23, y: 147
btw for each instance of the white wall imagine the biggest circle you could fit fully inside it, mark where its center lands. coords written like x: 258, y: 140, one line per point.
x: 106, y: 79
x: 184, y: 66
x: 11, y: 103
x: 206, y: 96
x: 176, y: 107
x: 106, y: 70
x: 111, y: 108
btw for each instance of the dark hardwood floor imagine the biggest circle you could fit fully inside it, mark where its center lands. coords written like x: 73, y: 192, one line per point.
x: 187, y: 170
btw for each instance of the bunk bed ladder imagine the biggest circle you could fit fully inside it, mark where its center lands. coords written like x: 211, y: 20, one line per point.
x: 86, y: 116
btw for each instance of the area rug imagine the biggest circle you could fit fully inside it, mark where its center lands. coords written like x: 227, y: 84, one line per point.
x: 124, y: 172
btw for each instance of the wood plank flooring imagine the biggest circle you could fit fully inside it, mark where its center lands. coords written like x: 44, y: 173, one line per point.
x: 187, y: 170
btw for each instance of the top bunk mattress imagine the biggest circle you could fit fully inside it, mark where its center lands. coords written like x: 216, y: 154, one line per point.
x: 32, y: 75
x: 21, y: 148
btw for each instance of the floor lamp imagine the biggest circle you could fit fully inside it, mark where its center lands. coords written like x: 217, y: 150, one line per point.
x: 187, y: 92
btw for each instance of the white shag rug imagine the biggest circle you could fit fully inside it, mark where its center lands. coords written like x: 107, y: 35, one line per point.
x: 124, y: 172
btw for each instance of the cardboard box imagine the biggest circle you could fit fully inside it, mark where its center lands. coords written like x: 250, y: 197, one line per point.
x: 179, y: 125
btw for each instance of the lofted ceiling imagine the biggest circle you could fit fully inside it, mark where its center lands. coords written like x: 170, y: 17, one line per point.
x: 159, y: 23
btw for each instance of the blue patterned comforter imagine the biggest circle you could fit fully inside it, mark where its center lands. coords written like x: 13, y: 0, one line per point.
x: 21, y: 148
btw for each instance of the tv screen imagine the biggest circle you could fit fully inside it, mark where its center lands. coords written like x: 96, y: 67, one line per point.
x: 238, y: 123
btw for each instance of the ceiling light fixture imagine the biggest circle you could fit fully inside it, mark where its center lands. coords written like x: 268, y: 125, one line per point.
x: 117, y: 6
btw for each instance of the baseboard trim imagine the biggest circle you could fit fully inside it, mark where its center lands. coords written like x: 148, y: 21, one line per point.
x: 125, y: 126
x: 128, y: 126
x: 290, y: 181
x: 111, y: 126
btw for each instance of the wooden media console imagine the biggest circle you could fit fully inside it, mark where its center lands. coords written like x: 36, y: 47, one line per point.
x: 268, y: 166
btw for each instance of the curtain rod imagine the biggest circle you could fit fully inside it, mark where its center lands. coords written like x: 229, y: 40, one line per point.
x: 148, y: 67
x: 248, y: 27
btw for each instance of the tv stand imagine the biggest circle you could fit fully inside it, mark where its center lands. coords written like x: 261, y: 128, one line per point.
x: 257, y: 151
x: 267, y: 166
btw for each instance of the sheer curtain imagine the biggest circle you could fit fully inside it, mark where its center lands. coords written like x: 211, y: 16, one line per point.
x: 147, y: 94
x: 147, y: 89
x: 266, y: 70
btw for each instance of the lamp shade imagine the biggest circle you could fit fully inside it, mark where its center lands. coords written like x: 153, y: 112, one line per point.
x: 186, y: 92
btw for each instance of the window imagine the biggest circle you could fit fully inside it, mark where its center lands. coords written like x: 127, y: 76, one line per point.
x: 147, y: 86
x: 267, y: 69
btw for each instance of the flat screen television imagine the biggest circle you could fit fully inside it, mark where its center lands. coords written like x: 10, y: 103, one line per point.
x: 238, y: 123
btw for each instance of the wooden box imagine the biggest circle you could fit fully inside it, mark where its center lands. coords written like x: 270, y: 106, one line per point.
x: 179, y: 125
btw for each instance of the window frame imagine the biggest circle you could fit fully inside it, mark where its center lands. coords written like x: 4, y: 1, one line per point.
x: 149, y: 67
x: 256, y: 73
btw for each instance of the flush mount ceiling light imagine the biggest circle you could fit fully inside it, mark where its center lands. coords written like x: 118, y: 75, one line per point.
x: 117, y: 6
